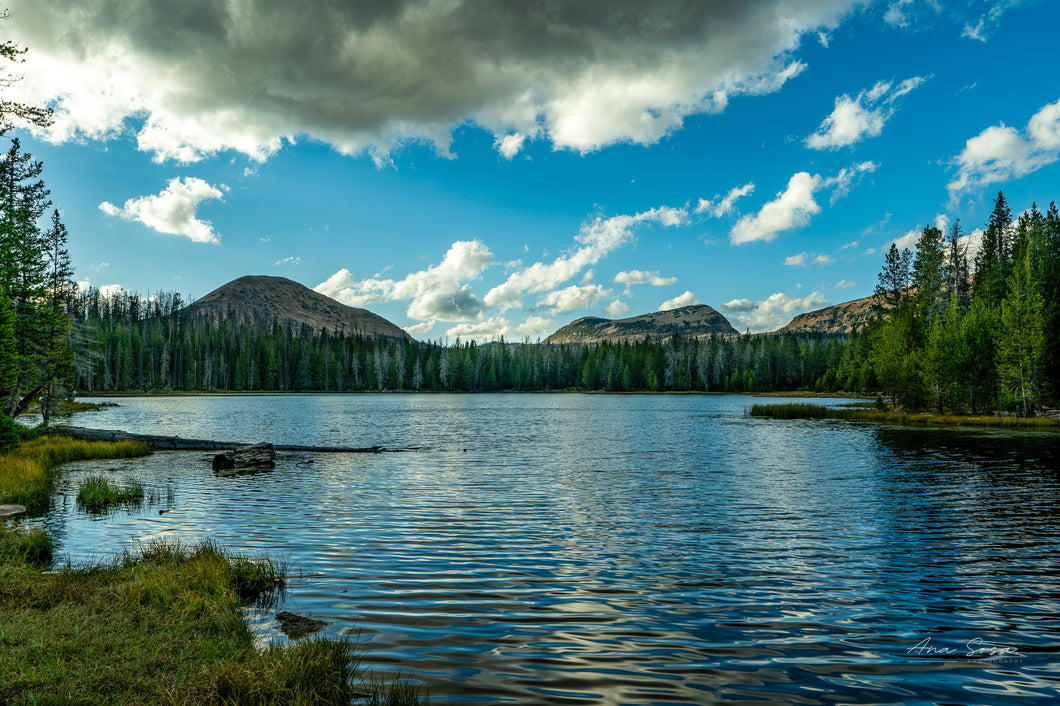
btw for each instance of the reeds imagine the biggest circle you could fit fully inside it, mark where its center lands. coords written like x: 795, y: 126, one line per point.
x: 26, y: 471
x: 811, y: 411
x: 98, y: 494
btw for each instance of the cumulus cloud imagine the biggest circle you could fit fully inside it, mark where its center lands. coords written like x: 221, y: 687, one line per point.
x: 439, y: 293
x: 719, y: 207
x: 616, y: 309
x: 595, y: 240
x: 1001, y: 153
x: 367, y: 77
x: 796, y: 260
x: 642, y: 277
x: 854, y: 119
x: 771, y: 313
x: 686, y: 299
x: 823, y: 260
x: 793, y: 207
x: 420, y: 328
x: 173, y: 210
x: 844, y: 284
x: 493, y: 328
x: 573, y: 297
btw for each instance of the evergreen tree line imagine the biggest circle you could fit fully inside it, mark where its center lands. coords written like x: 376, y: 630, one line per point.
x: 35, y: 292
x: 985, y: 337
x: 130, y: 343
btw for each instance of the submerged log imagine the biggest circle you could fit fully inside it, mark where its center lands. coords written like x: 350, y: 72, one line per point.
x: 176, y: 443
x: 256, y: 456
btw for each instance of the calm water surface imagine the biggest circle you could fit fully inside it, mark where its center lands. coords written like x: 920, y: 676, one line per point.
x: 596, y: 549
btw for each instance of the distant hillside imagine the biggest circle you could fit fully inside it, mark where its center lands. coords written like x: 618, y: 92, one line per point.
x: 841, y: 318
x: 270, y: 299
x: 692, y: 321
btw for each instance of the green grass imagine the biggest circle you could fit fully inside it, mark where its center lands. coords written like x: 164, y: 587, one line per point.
x: 810, y: 411
x: 97, y: 493
x: 26, y: 472
x: 162, y: 625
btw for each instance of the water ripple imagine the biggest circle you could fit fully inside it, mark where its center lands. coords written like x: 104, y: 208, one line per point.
x: 628, y: 549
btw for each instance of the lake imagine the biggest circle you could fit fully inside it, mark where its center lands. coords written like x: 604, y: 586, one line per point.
x: 613, y: 549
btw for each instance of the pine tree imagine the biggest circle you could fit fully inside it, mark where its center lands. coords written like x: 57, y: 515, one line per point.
x: 928, y: 274
x: 992, y: 264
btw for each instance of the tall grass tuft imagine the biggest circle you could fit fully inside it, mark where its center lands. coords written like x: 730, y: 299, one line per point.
x: 794, y: 410
x: 29, y: 546
x: 98, y: 494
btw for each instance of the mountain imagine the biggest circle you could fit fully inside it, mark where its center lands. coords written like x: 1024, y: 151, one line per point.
x: 276, y: 299
x: 693, y: 321
x: 841, y: 318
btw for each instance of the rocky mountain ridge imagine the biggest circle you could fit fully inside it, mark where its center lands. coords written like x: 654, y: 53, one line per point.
x: 693, y: 321
x: 267, y: 300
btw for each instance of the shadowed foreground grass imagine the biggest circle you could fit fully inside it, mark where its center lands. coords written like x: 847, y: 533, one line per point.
x: 812, y: 411
x: 162, y: 625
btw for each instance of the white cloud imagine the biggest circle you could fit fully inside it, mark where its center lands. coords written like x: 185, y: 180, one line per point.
x: 493, y: 328
x: 854, y: 119
x: 796, y: 260
x: 823, y: 260
x: 771, y: 313
x: 719, y: 207
x: 980, y: 32
x: 109, y: 291
x: 1000, y: 153
x: 596, y: 240
x: 642, y: 277
x: 616, y: 309
x: 686, y: 299
x: 573, y: 297
x: 370, y: 77
x: 844, y: 284
x: 438, y: 293
x: 173, y: 210
x: 738, y: 306
x: 510, y: 145
x: 790, y: 209
x: 420, y: 328
x: 289, y: 261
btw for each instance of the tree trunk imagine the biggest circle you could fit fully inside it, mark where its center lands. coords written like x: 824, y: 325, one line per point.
x: 256, y: 456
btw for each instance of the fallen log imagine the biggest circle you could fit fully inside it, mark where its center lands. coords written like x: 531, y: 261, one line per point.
x: 248, y: 457
x: 176, y: 443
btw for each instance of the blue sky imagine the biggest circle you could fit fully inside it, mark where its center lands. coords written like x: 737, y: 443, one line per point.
x: 479, y: 169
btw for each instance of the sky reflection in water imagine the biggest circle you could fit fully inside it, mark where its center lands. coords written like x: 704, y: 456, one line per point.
x: 628, y: 549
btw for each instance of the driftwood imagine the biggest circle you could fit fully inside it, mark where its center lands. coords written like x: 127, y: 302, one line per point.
x: 249, y: 457
x: 176, y: 443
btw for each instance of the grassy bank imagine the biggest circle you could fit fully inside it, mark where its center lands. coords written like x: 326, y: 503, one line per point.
x: 26, y: 472
x: 163, y: 625
x: 811, y: 411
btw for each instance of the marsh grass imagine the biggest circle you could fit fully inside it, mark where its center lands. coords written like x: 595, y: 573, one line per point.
x: 26, y: 472
x: 163, y: 624
x: 97, y: 494
x: 810, y: 411
x: 25, y: 546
